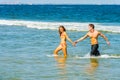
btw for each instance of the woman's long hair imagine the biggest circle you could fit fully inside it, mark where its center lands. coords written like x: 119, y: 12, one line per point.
x: 63, y: 29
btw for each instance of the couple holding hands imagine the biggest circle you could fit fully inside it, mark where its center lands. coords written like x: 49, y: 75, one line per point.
x: 92, y: 33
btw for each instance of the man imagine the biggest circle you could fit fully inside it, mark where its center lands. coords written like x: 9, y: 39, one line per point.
x: 93, y: 34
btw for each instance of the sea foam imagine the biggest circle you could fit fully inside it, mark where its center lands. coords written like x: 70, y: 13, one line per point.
x: 75, y: 26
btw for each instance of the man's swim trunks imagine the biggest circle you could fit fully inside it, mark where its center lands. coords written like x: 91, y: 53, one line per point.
x: 94, y: 50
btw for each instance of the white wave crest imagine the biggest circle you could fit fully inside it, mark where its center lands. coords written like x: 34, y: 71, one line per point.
x: 109, y: 27
x: 102, y: 56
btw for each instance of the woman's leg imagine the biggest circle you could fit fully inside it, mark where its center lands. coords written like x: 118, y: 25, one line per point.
x: 64, y: 49
x: 57, y: 50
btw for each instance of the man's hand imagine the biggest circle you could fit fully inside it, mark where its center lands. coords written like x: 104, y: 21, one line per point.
x: 74, y: 43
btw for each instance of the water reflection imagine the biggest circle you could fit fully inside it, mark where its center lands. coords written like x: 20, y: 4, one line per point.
x: 61, y: 61
x: 93, y: 65
x: 61, y: 64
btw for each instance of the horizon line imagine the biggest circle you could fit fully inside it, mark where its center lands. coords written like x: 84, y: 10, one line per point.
x: 52, y: 4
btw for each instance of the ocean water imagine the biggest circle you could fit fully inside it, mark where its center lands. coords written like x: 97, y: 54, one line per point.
x: 29, y: 35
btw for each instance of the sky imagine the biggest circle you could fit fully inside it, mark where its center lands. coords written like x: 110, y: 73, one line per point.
x: 60, y: 2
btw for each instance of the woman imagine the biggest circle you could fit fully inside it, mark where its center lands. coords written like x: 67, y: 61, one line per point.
x: 63, y: 45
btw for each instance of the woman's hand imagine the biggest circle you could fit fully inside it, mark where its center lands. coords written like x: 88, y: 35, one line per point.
x: 108, y: 43
x: 74, y: 43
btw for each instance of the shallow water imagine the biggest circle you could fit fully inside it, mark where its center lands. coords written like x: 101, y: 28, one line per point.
x: 28, y: 37
x: 27, y: 54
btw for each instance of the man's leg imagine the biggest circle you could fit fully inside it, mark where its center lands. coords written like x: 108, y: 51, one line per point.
x: 97, y: 52
x: 94, y: 50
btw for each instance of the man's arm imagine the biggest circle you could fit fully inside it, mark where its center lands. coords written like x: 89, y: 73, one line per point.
x: 82, y: 38
x: 105, y: 38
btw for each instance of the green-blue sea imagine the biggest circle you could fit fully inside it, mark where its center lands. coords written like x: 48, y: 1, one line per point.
x: 29, y: 35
